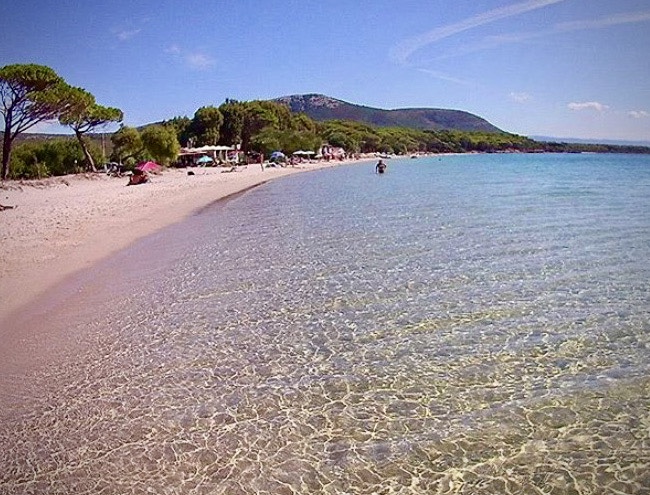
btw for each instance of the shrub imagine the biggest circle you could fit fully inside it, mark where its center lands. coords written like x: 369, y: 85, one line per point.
x: 39, y: 159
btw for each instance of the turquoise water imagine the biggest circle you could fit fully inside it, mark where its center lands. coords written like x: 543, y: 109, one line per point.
x: 472, y: 324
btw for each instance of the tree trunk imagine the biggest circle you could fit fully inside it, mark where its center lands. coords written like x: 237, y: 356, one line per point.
x: 88, y: 159
x: 6, y: 146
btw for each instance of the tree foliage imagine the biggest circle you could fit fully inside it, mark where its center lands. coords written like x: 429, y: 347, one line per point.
x: 127, y: 145
x: 84, y: 115
x: 263, y: 116
x: 161, y: 143
x: 156, y: 142
x: 29, y: 94
x: 36, y: 92
x: 233, y: 121
x: 205, y: 126
x: 181, y: 126
x: 39, y: 159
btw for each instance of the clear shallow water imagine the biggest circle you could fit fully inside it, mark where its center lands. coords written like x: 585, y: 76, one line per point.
x: 461, y: 325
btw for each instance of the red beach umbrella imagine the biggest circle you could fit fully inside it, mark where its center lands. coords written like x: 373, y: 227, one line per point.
x: 148, y: 166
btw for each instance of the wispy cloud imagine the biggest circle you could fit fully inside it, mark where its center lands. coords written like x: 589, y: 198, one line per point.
x: 196, y: 60
x: 495, y: 41
x: 200, y: 61
x: 603, y: 22
x: 127, y: 34
x: 173, y: 49
x: 587, y: 105
x: 638, y: 114
x: 445, y: 77
x: 520, y: 97
x: 401, y: 52
x: 406, y: 48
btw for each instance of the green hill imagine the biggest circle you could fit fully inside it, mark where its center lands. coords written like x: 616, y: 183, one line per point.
x: 322, y: 108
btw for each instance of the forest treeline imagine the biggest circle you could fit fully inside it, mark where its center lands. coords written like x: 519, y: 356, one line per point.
x: 37, y: 94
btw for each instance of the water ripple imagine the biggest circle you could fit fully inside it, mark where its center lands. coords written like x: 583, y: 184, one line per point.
x: 472, y: 326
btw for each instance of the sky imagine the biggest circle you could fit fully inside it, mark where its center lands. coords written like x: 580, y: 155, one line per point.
x: 559, y: 68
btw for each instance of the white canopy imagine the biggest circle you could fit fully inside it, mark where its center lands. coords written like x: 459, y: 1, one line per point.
x: 206, y: 149
x: 213, y: 148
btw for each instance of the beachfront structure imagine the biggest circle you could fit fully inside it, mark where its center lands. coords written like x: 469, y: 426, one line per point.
x: 218, y: 154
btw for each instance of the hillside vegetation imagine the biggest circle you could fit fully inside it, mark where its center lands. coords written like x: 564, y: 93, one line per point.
x: 323, y: 108
x: 261, y: 127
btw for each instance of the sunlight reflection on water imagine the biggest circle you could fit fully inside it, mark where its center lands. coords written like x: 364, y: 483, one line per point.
x: 471, y: 324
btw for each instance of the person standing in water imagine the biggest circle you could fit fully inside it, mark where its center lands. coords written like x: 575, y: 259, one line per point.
x: 380, y: 168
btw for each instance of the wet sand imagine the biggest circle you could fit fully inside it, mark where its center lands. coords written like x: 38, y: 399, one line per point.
x: 62, y: 225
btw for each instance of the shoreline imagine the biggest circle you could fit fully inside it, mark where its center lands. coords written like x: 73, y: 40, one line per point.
x: 62, y: 225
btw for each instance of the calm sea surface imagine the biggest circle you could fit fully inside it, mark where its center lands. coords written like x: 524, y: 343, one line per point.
x: 475, y: 324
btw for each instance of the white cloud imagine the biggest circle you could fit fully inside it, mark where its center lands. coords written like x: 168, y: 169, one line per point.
x: 199, y: 60
x: 520, y: 97
x: 125, y: 34
x: 588, y: 105
x: 402, y: 51
x: 610, y: 20
x: 495, y: 41
x: 638, y: 114
x: 195, y: 60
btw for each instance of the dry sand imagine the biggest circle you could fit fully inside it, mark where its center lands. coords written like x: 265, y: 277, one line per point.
x: 59, y: 226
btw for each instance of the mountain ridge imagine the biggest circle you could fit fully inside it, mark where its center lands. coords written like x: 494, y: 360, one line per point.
x: 321, y: 107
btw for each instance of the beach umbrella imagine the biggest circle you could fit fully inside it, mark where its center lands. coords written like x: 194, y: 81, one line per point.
x: 277, y: 156
x: 205, y: 159
x: 148, y: 166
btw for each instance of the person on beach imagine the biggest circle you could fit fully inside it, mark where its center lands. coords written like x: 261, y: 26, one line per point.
x: 138, y: 177
x: 380, y: 168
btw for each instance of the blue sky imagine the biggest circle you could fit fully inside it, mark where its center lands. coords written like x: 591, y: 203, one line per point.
x: 563, y: 68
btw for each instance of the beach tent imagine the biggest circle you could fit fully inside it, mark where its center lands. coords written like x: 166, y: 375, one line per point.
x: 148, y: 166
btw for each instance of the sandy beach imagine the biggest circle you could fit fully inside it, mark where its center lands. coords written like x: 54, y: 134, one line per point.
x: 61, y: 225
